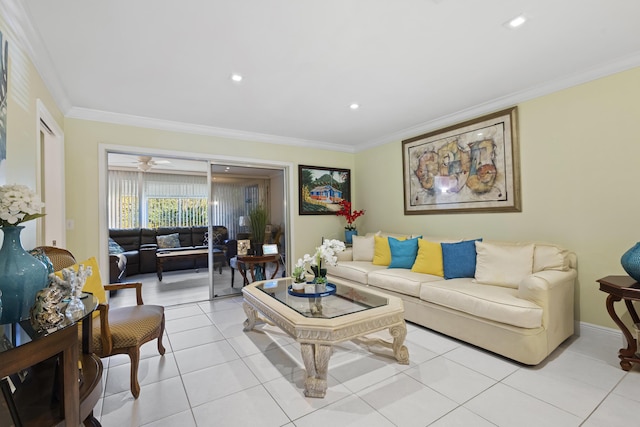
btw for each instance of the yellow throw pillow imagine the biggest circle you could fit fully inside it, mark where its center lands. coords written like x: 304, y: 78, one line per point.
x: 429, y: 258
x: 382, y: 251
x: 93, y: 283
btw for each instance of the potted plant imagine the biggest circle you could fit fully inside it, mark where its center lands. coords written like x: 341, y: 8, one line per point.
x: 350, y: 215
x: 258, y: 218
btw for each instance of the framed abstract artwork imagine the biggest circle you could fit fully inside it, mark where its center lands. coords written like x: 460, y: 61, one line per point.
x: 320, y: 189
x: 469, y: 167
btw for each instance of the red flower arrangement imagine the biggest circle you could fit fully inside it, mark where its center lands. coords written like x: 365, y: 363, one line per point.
x: 350, y: 216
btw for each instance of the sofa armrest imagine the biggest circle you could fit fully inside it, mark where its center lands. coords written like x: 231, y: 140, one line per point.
x: 346, y: 255
x: 553, y: 291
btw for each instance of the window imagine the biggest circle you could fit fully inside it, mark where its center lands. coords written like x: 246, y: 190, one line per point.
x: 176, y: 211
x: 152, y: 199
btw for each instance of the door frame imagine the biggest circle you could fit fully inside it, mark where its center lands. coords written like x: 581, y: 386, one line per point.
x: 104, y: 149
x: 47, y: 125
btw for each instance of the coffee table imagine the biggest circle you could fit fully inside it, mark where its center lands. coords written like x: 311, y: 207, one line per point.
x: 219, y: 259
x: 318, y: 323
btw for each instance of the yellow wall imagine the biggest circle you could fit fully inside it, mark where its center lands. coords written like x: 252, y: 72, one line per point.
x: 580, y: 171
x: 82, y: 144
x: 25, y: 88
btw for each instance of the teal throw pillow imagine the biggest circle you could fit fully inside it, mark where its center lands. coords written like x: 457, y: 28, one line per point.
x: 114, y: 247
x: 459, y: 259
x: 403, y: 252
x: 169, y: 241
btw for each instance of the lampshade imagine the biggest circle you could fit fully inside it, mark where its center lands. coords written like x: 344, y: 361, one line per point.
x: 243, y: 221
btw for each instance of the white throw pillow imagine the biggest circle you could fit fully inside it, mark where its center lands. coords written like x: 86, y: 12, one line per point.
x: 363, y: 248
x: 503, y: 264
x: 550, y: 257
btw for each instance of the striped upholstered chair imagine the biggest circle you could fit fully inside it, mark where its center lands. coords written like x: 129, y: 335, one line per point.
x: 119, y: 330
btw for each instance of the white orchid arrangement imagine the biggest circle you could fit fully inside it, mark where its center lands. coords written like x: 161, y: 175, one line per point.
x: 18, y: 203
x: 327, y: 252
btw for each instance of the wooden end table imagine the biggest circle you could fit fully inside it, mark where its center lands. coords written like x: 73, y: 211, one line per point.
x: 627, y: 289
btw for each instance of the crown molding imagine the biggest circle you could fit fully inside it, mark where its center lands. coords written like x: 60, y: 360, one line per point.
x: 167, y: 125
x: 603, y: 70
x: 28, y: 39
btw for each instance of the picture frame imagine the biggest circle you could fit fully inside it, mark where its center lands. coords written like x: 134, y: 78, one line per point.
x: 320, y: 189
x: 470, y: 167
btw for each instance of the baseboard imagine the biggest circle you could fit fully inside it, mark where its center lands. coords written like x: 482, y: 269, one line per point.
x: 590, y: 330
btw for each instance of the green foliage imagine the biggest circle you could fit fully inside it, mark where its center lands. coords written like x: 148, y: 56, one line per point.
x: 259, y: 218
x: 176, y: 212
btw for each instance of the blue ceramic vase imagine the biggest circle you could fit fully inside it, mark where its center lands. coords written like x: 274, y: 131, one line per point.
x: 21, y: 277
x: 631, y: 262
x: 348, y: 235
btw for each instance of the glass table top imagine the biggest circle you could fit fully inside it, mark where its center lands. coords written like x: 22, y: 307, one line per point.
x: 18, y: 333
x: 346, y: 300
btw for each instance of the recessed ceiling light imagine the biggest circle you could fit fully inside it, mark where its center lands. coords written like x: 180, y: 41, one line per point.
x: 354, y: 106
x: 236, y: 78
x: 516, y: 22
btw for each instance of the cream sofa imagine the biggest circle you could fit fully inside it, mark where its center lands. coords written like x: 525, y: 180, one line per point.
x: 517, y: 300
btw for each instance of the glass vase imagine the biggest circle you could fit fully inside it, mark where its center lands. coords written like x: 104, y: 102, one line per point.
x: 21, y: 277
x: 75, y: 309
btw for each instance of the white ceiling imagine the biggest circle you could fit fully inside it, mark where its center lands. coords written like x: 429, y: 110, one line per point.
x: 412, y: 65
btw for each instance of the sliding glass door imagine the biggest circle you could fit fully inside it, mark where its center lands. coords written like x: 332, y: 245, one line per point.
x: 237, y: 192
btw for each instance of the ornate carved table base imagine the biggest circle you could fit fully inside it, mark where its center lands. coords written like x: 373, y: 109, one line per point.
x: 627, y: 289
x: 317, y: 336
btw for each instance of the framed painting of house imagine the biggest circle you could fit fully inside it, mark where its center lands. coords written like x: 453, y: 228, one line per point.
x: 468, y: 167
x: 320, y: 189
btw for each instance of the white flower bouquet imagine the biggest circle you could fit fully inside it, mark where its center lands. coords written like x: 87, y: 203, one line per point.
x: 327, y: 252
x: 18, y: 204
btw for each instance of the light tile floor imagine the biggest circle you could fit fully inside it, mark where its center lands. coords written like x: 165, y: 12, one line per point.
x: 213, y: 373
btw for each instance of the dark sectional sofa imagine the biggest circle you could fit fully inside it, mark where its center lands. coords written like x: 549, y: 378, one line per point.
x: 140, y: 245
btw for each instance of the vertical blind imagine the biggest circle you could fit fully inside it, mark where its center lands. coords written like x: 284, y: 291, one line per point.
x: 148, y: 199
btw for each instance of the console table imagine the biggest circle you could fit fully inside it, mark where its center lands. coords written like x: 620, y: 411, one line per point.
x: 50, y: 390
x: 627, y: 289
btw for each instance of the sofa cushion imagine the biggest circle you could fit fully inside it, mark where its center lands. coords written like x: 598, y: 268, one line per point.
x: 168, y: 241
x: 363, y: 247
x: 429, y: 258
x: 550, y: 257
x: 403, y: 252
x: 495, y: 303
x: 400, y: 280
x: 381, y: 250
x: 459, y: 259
x: 503, y: 264
x: 356, y: 271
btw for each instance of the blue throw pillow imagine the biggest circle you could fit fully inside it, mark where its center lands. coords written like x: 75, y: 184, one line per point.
x: 459, y: 259
x: 403, y: 252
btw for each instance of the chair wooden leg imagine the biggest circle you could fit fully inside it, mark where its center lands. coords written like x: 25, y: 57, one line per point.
x: 134, y: 355
x: 161, y: 348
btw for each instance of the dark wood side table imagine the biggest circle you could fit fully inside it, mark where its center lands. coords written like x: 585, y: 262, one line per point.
x: 627, y: 289
x: 55, y: 391
x: 256, y: 266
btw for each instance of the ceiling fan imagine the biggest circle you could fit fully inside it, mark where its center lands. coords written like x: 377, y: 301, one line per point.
x: 145, y: 163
